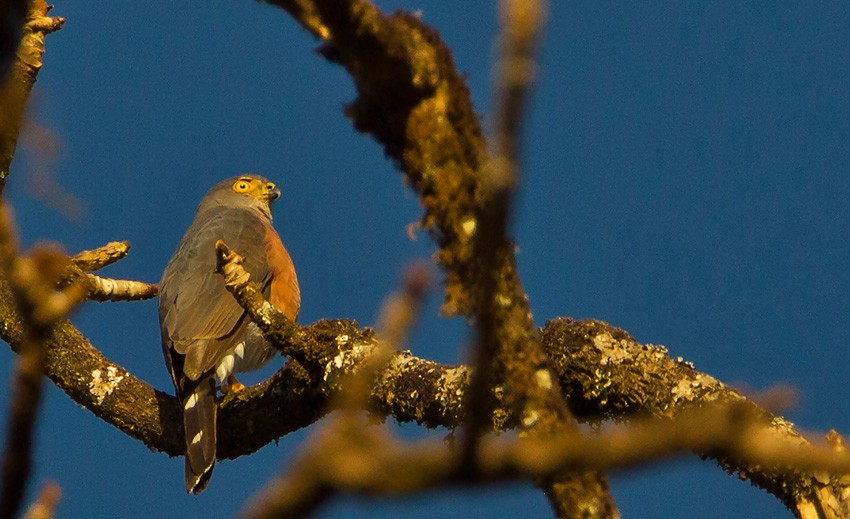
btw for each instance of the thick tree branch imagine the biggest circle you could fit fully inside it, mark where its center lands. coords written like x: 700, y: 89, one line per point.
x: 604, y: 373
x: 617, y: 377
x: 321, y: 469
x: 13, y: 14
x: 634, y: 378
x: 414, y: 102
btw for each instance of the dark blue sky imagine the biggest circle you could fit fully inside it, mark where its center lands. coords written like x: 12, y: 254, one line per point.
x: 685, y: 179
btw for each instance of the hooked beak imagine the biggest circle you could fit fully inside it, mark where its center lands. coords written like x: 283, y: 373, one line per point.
x: 271, y: 192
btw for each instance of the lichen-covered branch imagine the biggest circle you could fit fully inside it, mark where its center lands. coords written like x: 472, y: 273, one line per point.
x: 278, y: 329
x: 615, y: 377
x: 320, y: 469
x: 96, y: 259
x: 16, y: 89
x: 610, y: 376
x: 398, y: 314
x: 605, y: 373
x: 412, y: 99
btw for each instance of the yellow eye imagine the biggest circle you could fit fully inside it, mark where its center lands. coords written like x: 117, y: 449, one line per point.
x: 242, y: 186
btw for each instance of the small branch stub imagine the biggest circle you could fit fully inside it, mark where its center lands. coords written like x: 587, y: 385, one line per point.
x: 96, y: 259
x: 107, y: 289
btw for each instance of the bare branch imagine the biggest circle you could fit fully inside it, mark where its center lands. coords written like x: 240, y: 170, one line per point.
x: 33, y: 281
x: 491, y: 246
x: 508, y: 353
x: 107, y: 289
x: 15, y: 91
x: 395, y: 468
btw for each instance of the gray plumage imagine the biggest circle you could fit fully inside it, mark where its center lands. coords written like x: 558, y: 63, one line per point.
x: 205, y: 333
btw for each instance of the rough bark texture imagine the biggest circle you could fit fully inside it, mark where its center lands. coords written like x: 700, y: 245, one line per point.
x: 610, y: 375
x: 414, y: 102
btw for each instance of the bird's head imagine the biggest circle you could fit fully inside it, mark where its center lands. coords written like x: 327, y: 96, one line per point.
x: 250, y: 191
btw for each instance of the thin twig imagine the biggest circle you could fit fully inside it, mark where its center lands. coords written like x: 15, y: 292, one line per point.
x: 107, y: 289
x: 398, y: 314
x: 26, y: 393
x: 508, y: 352
x: 521, y: 23
x: 346, y: 449
x: 45, y: 505
x: 33, y: 281
x: 278, y: 329
x: 396, y: 468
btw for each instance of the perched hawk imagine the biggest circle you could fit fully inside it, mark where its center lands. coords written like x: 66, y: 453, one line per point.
x: 206, y: 335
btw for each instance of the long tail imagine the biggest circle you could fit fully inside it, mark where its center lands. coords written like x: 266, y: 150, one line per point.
x: 199, y: 422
